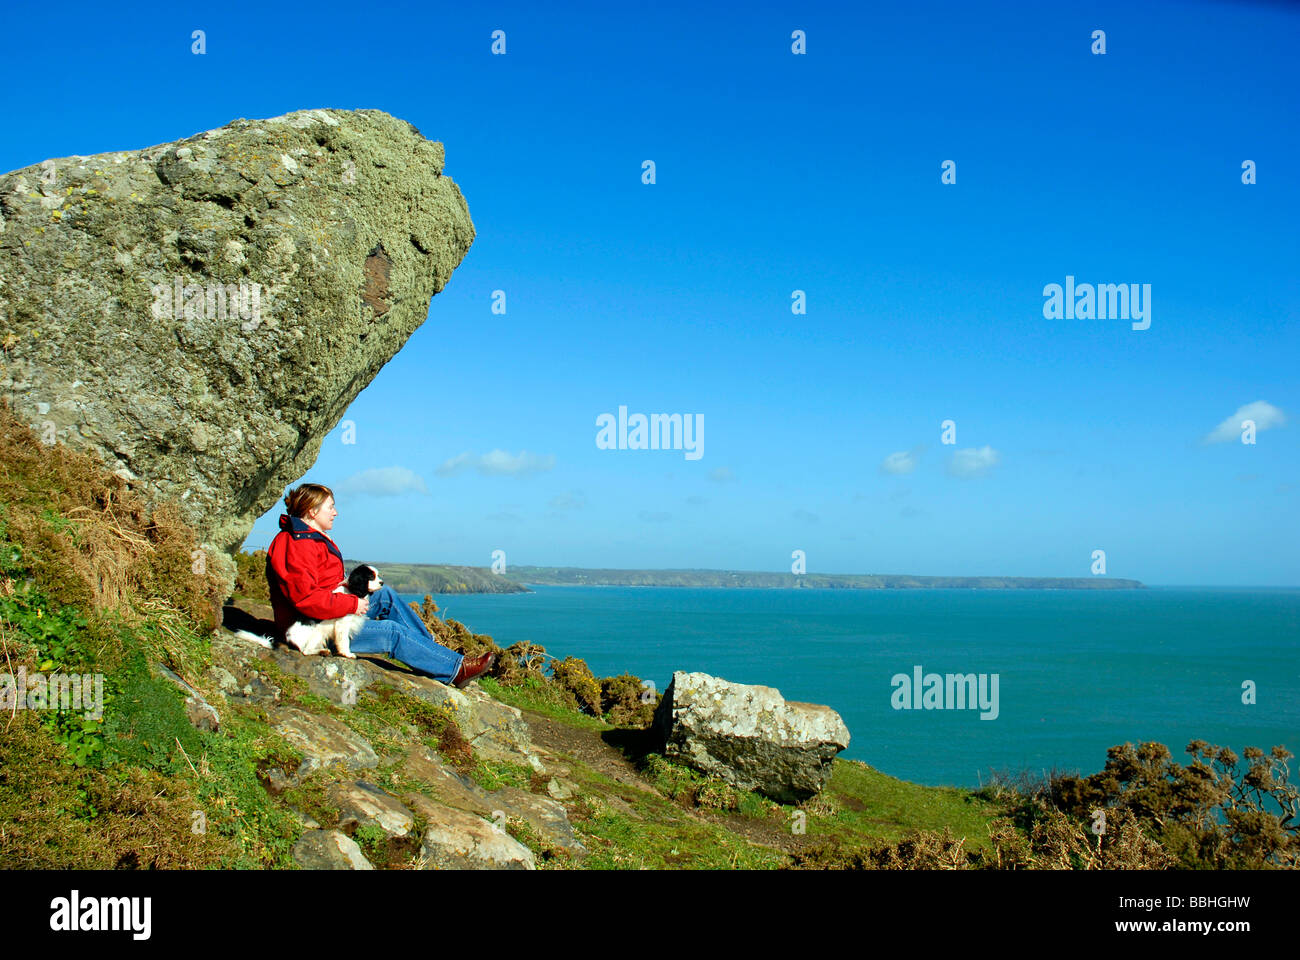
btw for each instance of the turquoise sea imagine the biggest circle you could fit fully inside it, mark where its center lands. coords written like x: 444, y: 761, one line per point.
x: 1078, y: 671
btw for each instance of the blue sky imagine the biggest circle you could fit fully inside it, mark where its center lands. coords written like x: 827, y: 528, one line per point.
x: 778, y: 172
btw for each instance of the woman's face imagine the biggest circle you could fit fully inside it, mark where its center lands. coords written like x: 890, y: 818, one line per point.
x: 323, y: 516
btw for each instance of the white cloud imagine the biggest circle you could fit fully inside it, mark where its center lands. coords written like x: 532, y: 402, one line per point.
x: 973, y: 461
x: 901, y: 462
x: 1264, y: 414
x: 497, y: 463
x: 382, y: 482
x: 457, y: 464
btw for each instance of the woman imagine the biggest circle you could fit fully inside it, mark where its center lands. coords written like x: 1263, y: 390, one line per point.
x: 304, y: 567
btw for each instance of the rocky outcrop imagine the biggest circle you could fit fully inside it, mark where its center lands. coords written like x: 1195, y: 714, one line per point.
x: 493, y: 729
x: 544, y: 815
x: 361, y: 804
x: 323, y: 742
x: 201, y: 313
x: 463, y: 823
x: 364, y: 740
x: 750, y: 736
x: 329, y: 850
x: 462, y: 841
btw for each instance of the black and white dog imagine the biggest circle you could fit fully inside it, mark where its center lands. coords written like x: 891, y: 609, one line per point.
x: 317, y: 636
x: 311, y: 637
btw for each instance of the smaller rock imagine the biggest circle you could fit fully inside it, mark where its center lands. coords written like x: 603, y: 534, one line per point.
x: 260, y: 691
x: 323, y: 741
x: 362, y: 803
x: 446, y: 786
x: 337, y: 679
x: 750, y: 735
x: 202, y: 714
x: 224, y: 680
x: 496, y: 730
x: 277, y: 782
x: 329, y: 850
x: 622, y: 806
x: 561, y: 789
x: 455, y: 840
x: 197, y: 710
x: 544, y: 815
x: 548, y: 818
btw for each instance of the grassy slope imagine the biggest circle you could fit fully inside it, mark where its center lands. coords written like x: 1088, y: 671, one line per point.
x: 629, y: 827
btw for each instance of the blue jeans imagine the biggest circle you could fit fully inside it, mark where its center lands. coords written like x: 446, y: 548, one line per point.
x: 393, y: 629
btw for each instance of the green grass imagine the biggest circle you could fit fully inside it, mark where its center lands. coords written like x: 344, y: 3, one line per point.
x: 541, y: 697
x: 869, y: 803
x: 859, y: 805
x: 495, y: 774
x: 666, y: 837
x: 147, y: 729
x: 144, y: 728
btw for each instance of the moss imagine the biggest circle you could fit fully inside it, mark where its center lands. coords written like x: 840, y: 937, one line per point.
x: 691, y: 789
x: 495, y: 774
x: 386, y: 852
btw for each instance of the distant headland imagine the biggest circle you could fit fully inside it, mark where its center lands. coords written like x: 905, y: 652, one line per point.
x: 434, y: 578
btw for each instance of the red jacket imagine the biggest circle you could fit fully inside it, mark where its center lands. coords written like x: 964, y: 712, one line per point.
x: 303, y: 567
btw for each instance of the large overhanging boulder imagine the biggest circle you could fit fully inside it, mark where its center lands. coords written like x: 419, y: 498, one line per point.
x: 750, y: 736
x: 201, y: 313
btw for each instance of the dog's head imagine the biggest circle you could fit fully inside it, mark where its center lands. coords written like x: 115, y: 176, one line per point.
x: 364, y: 580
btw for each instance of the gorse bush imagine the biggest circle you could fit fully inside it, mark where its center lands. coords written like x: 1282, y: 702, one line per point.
x: 1143, y: 811
x: 1055, y: 842
x: 1209, y: 814
x: 620, y: 699
x: 521, y: 661
x: 250, y: 576
x: 576, y: 679
x: 614, y: 699
x: 453, y: 634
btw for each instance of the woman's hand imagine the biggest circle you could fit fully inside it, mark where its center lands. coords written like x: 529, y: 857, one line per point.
x: 363, y: 604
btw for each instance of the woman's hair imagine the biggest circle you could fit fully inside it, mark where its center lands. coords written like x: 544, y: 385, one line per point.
x: 305, y: 498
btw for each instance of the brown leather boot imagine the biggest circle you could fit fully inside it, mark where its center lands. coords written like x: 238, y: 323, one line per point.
x: 471, y: 668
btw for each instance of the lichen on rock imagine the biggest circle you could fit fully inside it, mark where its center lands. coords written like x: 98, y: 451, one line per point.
x: 750, y: 736
x: 201, y: 313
